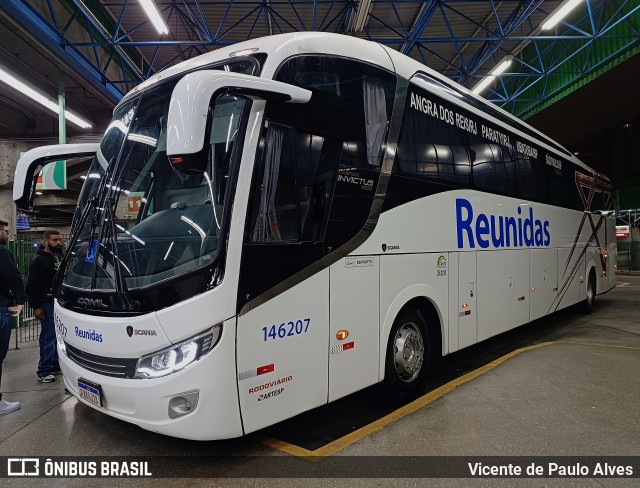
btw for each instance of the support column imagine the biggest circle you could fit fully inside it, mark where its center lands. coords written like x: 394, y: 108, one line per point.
x: 62, y: 123
x: 7, y: 169
x: 8, y: 210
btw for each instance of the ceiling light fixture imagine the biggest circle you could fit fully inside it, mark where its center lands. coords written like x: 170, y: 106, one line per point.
x: 560, y: 13
x: 359, y: 18
x: 153, y: 13
x: 42, y: 99
x: 498, y: 70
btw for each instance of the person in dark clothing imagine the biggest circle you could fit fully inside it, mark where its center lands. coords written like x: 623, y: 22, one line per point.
x: 42, y: 271
x: 12, y: 299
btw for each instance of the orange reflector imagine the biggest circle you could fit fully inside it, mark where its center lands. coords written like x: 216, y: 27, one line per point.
x: 177, y: 160
x: 341, y: 335
x: 464, y: 305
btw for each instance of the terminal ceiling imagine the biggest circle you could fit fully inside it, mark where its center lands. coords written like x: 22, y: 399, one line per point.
x: 108, y: 46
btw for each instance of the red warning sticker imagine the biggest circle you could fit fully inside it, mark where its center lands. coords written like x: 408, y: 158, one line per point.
x: 342, y: 347
x: 269, y: 368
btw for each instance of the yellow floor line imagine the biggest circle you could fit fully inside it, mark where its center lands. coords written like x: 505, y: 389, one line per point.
x: 286, y: 447
x: 339, y: 444
x: 615, y: 346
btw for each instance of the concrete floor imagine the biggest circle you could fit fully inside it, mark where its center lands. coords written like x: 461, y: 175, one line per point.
x: 576, y: 396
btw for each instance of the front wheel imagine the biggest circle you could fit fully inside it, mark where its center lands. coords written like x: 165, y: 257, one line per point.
x: 408, y: 354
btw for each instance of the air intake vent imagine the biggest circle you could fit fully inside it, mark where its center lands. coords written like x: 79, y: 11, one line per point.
x: 116, y: 367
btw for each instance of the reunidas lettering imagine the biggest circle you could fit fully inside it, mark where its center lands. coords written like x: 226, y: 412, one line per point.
x: 90, y: 335
x: 501, y: 231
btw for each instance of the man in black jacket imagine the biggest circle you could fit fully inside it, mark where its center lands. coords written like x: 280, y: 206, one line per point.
x: 42, y: 271
x: 12, y: 299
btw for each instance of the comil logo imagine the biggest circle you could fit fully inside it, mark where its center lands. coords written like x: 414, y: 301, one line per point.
x: 23, y: 467
x: 92, y: 302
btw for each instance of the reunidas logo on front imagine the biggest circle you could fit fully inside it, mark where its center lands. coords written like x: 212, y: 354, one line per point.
x: 90, y: 335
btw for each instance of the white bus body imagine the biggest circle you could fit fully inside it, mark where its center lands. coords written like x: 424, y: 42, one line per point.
x: 283, y: 324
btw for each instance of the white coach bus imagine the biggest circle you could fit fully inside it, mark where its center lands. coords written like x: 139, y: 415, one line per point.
x: 277, y: 224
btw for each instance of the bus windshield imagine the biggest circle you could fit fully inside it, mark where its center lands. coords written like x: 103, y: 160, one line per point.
x: 139, y: 221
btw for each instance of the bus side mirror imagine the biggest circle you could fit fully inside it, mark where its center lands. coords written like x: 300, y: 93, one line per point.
x: 29, y: 165
x: 188, y: 120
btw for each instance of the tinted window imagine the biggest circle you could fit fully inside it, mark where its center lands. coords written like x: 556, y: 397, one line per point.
x: 446, y: 145
x: 494, y: 167
x: 532, y: 184
x: 292, y: 183
x: 430, y: 148
x: 488, y: 108
x: 316, y: 169
x: 349, y: 110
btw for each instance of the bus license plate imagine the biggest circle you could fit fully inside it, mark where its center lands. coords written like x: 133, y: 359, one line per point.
x: 90, y: 392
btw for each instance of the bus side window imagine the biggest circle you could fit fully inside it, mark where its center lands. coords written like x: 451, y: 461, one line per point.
x: 275, y: 212
x: 429, y: 148
x: 494, y: 168
x: 563, y: 190
x: 532, y: 184
x: 292, y: 186
x: 349, y: 110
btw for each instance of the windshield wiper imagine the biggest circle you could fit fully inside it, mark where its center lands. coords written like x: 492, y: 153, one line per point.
x: 121, y: 286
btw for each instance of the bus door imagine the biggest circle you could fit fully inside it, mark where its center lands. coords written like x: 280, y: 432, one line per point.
x: 283, y: 294
x: 354, y: 325
x: 281, y: 354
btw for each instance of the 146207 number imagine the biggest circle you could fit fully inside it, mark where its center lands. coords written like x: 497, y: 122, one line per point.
x: 286, y: 329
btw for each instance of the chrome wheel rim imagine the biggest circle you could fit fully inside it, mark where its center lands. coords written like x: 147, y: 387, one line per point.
x: 408, y: 352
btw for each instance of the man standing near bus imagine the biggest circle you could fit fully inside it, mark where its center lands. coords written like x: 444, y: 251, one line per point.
x: 42, y: 271
x: 12, y: 299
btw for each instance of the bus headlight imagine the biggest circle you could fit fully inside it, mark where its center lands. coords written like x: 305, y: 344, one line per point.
x: 177, y: 357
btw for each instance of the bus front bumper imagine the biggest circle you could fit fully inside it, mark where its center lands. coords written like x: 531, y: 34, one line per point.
x: 145, y: 402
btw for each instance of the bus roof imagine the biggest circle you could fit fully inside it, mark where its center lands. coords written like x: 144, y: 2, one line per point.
x: 282, y: 46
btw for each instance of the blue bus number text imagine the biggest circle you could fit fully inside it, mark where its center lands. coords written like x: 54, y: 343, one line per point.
x: 286, y: 329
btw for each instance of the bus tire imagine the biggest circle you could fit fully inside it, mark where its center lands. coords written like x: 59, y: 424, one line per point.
x: 590, y: 298
x: 408, y: 354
